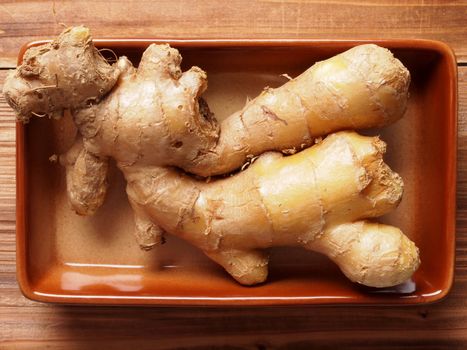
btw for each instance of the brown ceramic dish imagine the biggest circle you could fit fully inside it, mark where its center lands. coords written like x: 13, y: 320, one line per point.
x: 64, y: 258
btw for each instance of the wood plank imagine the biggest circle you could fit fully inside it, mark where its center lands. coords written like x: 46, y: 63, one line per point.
x: 22, y: 21
x: 29, y: 325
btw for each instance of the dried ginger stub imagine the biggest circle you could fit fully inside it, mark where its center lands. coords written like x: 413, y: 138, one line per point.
x: 67, y: 73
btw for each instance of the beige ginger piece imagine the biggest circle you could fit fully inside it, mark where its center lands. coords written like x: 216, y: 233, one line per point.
x: 158, y: 107
x: 315, y: 199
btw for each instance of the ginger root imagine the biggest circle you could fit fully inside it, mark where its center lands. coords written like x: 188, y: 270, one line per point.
x: 158, y: 107
x: 153, y: 118
x: 361, y: 88
x: 315, y: 199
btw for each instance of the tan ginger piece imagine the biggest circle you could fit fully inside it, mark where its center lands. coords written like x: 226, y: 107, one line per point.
x: 151, y: 118
x: 158, y: 107
x: 361, y: 88
x: 315, y: 199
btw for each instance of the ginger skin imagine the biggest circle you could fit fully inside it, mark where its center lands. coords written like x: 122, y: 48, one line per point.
x: 152, y: 118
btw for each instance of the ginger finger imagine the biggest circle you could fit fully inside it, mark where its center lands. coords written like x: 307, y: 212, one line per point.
x: 86, y: 178
x: 372, y: 254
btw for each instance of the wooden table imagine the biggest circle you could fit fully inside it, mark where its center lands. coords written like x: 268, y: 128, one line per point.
x: 30, y: 325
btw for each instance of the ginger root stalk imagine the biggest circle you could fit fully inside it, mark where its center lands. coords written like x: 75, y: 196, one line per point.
x: 315, y: 199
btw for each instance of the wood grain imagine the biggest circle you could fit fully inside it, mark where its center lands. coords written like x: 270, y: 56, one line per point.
x: 29, y: 325
x: 21, y: 21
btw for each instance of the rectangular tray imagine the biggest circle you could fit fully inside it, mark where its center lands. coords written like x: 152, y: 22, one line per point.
x: 65, y: 258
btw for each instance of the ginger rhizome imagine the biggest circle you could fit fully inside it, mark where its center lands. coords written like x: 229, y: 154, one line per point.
x: 314, y: 199
x: 158, y: 107
x: 152, y: 118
